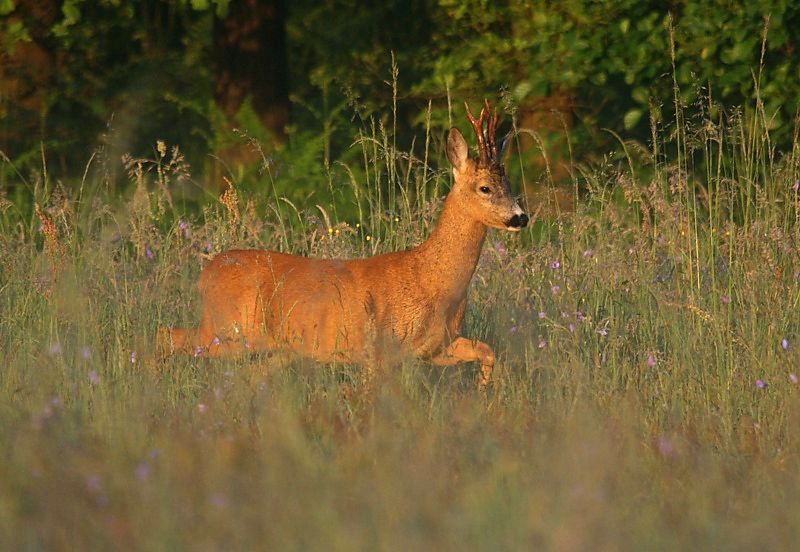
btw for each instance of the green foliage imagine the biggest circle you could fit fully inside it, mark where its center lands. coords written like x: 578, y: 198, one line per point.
x: 130, y: 73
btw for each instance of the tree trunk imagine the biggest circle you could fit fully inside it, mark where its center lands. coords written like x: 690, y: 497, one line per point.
x: 251, y: 62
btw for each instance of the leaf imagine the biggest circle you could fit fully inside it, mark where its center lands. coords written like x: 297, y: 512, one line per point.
x: 6, y: 7
x: 72, y: 13
x: 632, y: 117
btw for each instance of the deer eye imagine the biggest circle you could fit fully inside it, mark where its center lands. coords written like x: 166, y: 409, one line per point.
x: 485, y: 189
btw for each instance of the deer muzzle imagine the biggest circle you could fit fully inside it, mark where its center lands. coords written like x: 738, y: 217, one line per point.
x: 517, y: 222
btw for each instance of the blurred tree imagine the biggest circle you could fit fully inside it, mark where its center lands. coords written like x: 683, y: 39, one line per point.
x: 188, y: 70
x: 251, y: 61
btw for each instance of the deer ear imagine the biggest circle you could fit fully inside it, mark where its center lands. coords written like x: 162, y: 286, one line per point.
x: 457, y: 149
x: 505, y: 142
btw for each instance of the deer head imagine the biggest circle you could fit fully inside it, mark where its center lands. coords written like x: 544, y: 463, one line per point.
x: 481, y: 185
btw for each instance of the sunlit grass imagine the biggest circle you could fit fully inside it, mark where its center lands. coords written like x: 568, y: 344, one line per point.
x: 646, y: 394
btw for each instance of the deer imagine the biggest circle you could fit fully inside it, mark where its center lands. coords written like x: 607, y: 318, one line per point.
x: 367, y: 310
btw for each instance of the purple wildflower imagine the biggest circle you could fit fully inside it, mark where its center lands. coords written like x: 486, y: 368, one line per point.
x: 208, y: 247
x: 201, y: 408
x: 724, y: 299
x: 149, y: 253
x: 183, y: 226
x: 198, y: 350
x: 55, y: 348
x: 555, y: 289
x: 784, y: 344
x: 579, y: 316
x: 542, y: 344
x: 588, y: 253
x: 542, y: 315
x: 793, y: 378
x: 133, y: 357
x: 86, y: 353
x: 513, y: 329
x: 94, y: 378
x: 93, y: 483
x: 555, y: 265
x: 603, y: 332
x: 796, y: 185
x: 665, y: 447
x: 761, y: 384
x: 142, y: 471
x: 651, y: 360
x: 571, y: 327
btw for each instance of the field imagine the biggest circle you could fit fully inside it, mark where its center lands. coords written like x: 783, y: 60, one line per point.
x: 646, y: 395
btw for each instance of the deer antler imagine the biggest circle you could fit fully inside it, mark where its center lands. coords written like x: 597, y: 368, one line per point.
x: 487, y: 148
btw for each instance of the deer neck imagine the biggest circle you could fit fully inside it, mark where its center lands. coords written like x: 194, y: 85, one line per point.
x: 452, y: 250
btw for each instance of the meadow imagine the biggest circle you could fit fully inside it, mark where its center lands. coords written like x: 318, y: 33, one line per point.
x: 646, y: 395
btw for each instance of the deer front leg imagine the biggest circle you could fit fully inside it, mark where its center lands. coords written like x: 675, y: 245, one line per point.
x: 466, y: 350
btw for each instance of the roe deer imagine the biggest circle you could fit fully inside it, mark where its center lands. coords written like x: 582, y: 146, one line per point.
x: 408, y: 302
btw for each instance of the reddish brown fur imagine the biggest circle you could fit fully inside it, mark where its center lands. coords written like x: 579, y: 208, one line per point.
x: 364, y: 310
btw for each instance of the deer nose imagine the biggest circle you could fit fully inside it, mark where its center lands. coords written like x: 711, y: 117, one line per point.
x: 518, y: 221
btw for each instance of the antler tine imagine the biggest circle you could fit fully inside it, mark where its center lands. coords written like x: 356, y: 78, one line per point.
x: 491, y: 127
x: 477, y: 126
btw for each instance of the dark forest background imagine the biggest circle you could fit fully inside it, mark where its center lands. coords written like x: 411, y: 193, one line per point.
x: 214, y: 77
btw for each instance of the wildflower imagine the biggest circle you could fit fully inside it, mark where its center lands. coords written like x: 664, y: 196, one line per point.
x: 579, y: 316
x: 761, y: 384
x: 571, y: 327
x: 55, y: 348
x: 588, y: 253
x: 542, y: 344
x: 665, y: 447
x: 93, y: 483
x: 202, y: 407
x: 603, y: 332
x: 94, y: 378
x: 197, y: 351
x: 724, y: 299
x: 183, y: 226
x: 513, y: 329
x: 142, y: 471
x: 784, y: 344
x: 153, y: 454
x: 793, y: 378
x: 219, y: 500
x: 215, y: 341
x: 542, y: 315
x: 796, y: 185
x: 651, y: 360
x: 149, y: 253
x: 86, y: 353
x: 208, y: 247
x: 555, y: 289
x: 133, y: 357
x: 555, y: 265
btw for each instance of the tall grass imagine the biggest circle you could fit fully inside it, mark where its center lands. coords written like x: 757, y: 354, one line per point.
x: 646, y: 395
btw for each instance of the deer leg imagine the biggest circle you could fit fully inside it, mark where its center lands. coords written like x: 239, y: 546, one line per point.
x: 171, y: 340
x: 466, y: 350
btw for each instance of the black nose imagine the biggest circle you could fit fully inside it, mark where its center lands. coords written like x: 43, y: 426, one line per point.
x: 518, y: 221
